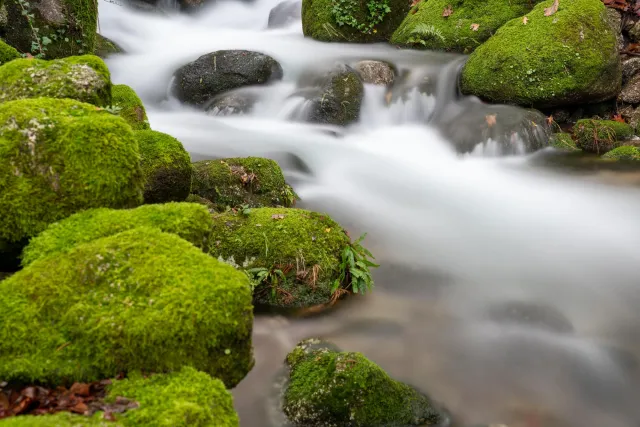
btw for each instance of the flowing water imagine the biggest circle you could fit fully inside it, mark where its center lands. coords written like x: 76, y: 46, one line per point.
x: 461, y: 218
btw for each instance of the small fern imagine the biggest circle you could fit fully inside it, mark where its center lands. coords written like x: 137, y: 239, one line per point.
x: 355, y: 269
x: 423, y: 32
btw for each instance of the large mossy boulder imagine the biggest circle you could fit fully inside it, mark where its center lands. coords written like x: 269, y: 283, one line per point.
x: 245, y: 181
x: 185, y: 398
x: 141, y: 300
x: 64, y: 27
x: 190, y: 221
x: 624, y: 153
x: 129, y: 107
x: 7, y: 53
x: 58, y: 157
x: 293, y: 255
x: 351, y: 20
x: 84, y: 78
x: 600, y: 136
x: 470, y: 23
x: 570, y: 57
x: 327, y: 387
x: 166, y: 166
x: 198, y: 82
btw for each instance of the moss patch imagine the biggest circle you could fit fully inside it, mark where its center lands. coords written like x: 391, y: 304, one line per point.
x: 425, y: 27
x: 166, y: 166
x: 189, y: 221
x: 131, y: 107
x: 58, y: 157
x: 83, y: 78
x: 600, y: 136
x: 568, y: 58
x: 626, y: 152
x: 251, y: 181
x: 563, y: 141
x: 105, y: 47
x: 331, y: 388
x: 306, y: 246
x: 139, y: 300
x: 7, y: 53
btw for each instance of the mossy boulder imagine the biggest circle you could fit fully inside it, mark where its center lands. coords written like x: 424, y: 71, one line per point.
x: 7, y: 53
x: 65, y: 27
x: 625, y: 153
x: 190, y: 221
x: 305, y: 246
x: 470, y: 24
x: 327, y: 387
x: 563, y: 141
x: 249, y: 181
x: 138, y: 300
x: 570, y: 57
x: 166, y: 166
x: 600, y: 136
x: 58, y: 157
x: 83, y: 78
x: 179, y: 399
x: 130, y: 107
x: 105, y: 47
x: 352, y: 21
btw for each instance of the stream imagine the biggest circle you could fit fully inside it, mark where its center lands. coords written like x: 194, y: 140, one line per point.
x: 470, y: 223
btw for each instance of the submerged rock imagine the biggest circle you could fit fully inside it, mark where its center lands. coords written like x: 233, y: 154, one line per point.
x: 327, y: 387
x: 375, y: 72
x: 600, y: 136
x: 83, y: 78
x: 531, y: 314
x: 166, y: 166
x: 285, y: 13
x: 570, y: 57
x: 139, y: 300
x: 217, y: 72
x: 130, y: 107
x: 239, y: 101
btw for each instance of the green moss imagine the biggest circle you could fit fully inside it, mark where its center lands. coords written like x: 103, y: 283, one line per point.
x: 139, y: 300
x: 331, y: 388
x: 166, y: 166
x: 131, y: 107
x: 189, y: 221
x: 183, y: 398
x: 626, y: 152
x: 70, y: 26
x: 105, y: 47
x: 252, y: 181
x: 7, y: 53
x: 600, y: 136
x: 58, y: 157
x: 304, y: 245
x: 568, y: 58
x: 425, y: 27
x: 83, y: 78
x: 319, y: 22
x: 563, y: 141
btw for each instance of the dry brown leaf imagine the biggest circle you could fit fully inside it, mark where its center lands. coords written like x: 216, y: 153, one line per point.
x: 80, y: 389
x: 552, y: 9
x: 415, y: 2
x: 550, y: 120
x: 491, y: 119
x: 474, y: 27
x: 448, y: 11
x: 618, y: 118
x: 525, y: 20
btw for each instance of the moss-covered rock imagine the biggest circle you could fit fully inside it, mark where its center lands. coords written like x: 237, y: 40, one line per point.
x: 194, y: 198
x: 600, y: 136
x: 179, y: 399
x: 352, y: 21
x: 426, y: 27
x: 83, y: 78
x: 65, y: 27
x: 567, y: 58
x: 130, y: 107
x: 7, y: 53
x: 304, y: 246
x: 166, y: 166
x: 626, y: 152
x: 189, y: 221
x: 138, y: 300
x: 249, y: 181
x: 327, y: 387
x: 58, y: 157
x: 105, y: 47
x: 563, y: 141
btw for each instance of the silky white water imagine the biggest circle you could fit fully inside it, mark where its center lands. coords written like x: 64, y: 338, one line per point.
x: 457, y: 225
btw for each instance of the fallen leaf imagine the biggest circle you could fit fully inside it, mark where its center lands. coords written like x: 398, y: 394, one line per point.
x: 327, y: 230
x: 277, y: 216
x: 415, y: 2
x: 491, y: 119
x: 550, y: 120
x: 474, y: 27
x: 109, y: 416
x: 80, y: 389
x: 448, y: 11
x: 552, y: 9
x: 4, y: 402
x: 79, y: 408
x: 525, y: 20
x: 618, y: 118
x: 28, y: 56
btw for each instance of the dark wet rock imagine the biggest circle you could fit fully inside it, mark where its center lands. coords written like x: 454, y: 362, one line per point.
x: 285, y: 13
x: 631, y: 115
x: 10, y: 254
x: 334, y: 97
x: 375, y: 72
x: 535, y: 315
x: 630, y: 68
x: 232, y: 103
x: 212, y: 74
x: 614, y: 19
x: 105, y: 47
x: 149, y: 6
x: 631, y: 91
